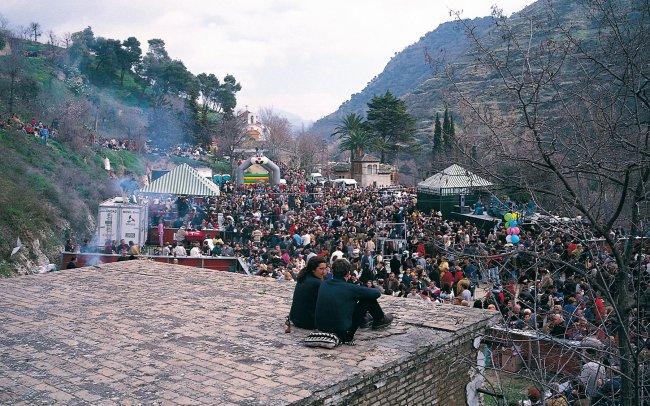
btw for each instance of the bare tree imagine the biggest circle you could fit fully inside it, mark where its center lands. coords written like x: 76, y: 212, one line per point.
x: 67, y: 39
x: 4, y: 23
x: 35, y: 30
x: 75, y: 116
x: 21, y: 32
x: 18, y: 87
x: 572, y: 133
x: 232, y: 135
x: 52, y: 38
x: 280, y: 135
x: 308, y: 151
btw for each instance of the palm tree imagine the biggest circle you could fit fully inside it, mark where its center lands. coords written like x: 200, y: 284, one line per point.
x: 357, y: 141
x: 353, y: 135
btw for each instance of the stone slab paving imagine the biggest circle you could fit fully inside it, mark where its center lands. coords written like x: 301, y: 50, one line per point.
x: 139, y: 332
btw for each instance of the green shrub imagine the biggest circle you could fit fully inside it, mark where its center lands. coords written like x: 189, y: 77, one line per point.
x: 6, y: 271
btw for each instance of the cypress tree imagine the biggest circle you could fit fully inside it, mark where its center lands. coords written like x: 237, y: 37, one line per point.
x: 452, y: 132
x: 452, y: 128
x: 446, y: 131
x: 437, y: 136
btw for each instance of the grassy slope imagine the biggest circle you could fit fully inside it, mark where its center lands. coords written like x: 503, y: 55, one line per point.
x: 49, y: 192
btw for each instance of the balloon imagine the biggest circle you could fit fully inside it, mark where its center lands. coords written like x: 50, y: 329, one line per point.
x: 515, y: 216
x: 514, y: 239
x: 516, y: 230
x: 507, y: 217
x: 509, y: 239
x: 512, y: 223
x: 511, y: 230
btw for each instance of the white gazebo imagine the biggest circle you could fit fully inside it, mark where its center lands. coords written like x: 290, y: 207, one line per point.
x: 453, y: 180
x: 450, y: 190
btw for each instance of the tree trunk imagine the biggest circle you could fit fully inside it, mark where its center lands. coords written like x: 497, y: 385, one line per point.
x: 11, y: 92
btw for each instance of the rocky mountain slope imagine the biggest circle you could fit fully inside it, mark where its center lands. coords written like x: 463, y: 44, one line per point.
x: 420, y: 74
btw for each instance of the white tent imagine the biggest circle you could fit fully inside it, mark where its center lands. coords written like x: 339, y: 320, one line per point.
x: 453, y: 180
x: 182, y: 180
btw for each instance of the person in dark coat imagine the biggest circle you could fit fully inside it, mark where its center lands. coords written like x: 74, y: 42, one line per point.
x: 395, y: 264
x: 367, y: 267
x: 341, y: 307
x: 303, y: 306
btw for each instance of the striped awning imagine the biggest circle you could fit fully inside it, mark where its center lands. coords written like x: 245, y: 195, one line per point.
x: 453, y: 180
x: 182, y: 180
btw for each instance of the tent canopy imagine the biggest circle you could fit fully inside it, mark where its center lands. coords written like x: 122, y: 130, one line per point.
x: 453, y: 180
x: 182, y: 180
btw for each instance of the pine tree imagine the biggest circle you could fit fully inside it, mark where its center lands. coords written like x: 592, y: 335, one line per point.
x: 391, y: 126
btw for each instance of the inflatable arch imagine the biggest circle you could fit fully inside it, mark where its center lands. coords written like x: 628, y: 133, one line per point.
x: 264, y: 162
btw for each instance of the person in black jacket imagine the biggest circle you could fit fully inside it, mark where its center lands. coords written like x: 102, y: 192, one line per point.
x: 309, y: 279
x: 341, y: 307
x: 367, y: 267
x: 395, y: 264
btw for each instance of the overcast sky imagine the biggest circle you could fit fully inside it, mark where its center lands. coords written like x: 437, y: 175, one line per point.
x: 305, y: 57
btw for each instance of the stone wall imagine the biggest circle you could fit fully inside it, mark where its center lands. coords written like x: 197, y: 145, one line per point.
x: 376, y: 179
x: 437, y: 375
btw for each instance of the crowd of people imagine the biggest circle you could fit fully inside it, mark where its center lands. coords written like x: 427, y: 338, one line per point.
x: 119, y: 144
x: 551, y: 284
x: 543, y: 284
x: 43, y: 131
x: 33, y: 127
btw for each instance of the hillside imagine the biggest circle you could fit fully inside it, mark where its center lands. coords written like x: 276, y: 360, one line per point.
x: 406, y: 71
x: 51, y: 192
x: 419, y: 73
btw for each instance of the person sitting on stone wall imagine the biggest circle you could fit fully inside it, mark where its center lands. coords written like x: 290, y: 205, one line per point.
x: 309, y: 279
x: 341, y: 307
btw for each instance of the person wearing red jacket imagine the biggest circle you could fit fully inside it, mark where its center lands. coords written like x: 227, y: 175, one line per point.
x: 446, y: 279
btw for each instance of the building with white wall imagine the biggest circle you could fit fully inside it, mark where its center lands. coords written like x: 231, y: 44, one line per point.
x: 367, y: 170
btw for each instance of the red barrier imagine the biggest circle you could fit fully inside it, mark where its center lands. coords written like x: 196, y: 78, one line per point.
x: 168, y: 235
x: 213, y: 263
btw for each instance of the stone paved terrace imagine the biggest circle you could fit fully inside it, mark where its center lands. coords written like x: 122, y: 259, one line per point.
x: 145, y: 333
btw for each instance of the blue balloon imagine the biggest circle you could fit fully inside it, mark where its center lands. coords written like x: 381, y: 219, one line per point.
x: 515, y: 239
x: 512, y: 223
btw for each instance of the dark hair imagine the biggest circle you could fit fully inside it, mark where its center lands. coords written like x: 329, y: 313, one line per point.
x: 312, y: 264
x: 341, y: 268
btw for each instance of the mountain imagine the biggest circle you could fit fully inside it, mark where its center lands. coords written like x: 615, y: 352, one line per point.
x: 419, y: 73
x: 297, y: 123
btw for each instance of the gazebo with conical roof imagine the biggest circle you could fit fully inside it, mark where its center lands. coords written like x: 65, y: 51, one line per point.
x: 444, y: 190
